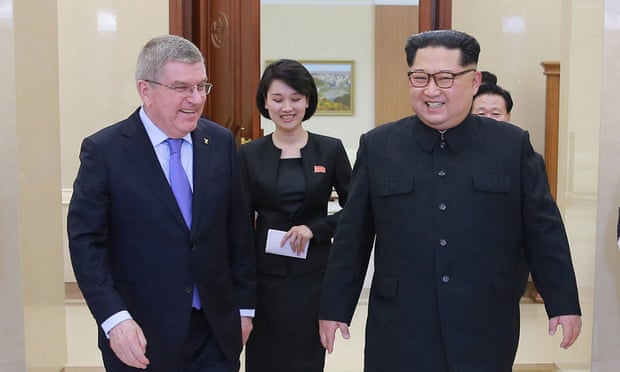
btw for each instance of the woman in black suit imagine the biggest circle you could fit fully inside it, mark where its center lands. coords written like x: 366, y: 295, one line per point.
x: 289, y: 177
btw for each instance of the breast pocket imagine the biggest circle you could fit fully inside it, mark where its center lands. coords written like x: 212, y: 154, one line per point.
x: 495, y: 204
x: 392, y: 186
x: 394, y: 202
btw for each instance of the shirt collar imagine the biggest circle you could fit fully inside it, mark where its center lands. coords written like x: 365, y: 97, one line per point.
x: 156, y: 135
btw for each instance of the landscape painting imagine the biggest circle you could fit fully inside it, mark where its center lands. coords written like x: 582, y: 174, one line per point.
x: 334, y: 81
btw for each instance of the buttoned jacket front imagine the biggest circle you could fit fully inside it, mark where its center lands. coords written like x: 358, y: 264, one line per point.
x: 132, y: 250
x: 326, y: 167
x: 453, y: 216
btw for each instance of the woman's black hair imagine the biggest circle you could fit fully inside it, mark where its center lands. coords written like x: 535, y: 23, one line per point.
x: 293, y: 74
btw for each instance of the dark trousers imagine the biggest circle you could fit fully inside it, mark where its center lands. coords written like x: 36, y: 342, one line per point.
x: 202, y: 351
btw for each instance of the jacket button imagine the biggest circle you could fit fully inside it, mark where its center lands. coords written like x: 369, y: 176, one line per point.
x: 189, y: 289
x: 443, y: 242
x: 445, y: 279
x: 443, y: 206
x: 441, y: 173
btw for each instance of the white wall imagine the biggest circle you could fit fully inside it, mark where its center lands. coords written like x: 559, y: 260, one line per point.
x: 331, y: 31
x: 98, y: 46
x: 515, y: 37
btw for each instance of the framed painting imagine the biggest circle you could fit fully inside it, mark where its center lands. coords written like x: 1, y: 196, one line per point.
x: 334, y: 81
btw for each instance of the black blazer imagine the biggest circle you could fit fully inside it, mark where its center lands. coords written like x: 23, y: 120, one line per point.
x: 451, y: 223
x: 131, y: 249
x: 326, y: 166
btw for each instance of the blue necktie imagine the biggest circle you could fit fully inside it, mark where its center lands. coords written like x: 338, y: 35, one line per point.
x: 182, y: 192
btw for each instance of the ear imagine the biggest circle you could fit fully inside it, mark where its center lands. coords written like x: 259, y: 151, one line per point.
x: 145, y: 91
x: 476, y: 81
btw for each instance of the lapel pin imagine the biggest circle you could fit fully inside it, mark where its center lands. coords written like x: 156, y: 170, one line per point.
x: 319, y: 169
x: 205, y: 140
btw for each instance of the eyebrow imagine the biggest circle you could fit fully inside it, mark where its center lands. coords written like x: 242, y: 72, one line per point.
x: 292, y: 94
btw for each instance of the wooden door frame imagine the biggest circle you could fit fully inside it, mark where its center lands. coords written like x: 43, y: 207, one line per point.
x: 180, y: 17
x: 434, y: 15
x: 182, y: 22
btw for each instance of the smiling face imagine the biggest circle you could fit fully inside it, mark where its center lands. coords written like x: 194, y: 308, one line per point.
x: 174, y: 113
x: 285, y: 105
x: 492, y: 106
x: 443, y: 108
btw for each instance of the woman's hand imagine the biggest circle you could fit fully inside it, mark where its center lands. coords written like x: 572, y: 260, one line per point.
x: 297, y: 238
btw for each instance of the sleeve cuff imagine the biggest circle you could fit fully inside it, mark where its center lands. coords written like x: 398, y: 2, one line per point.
x: 112, y: 321
x: 247, y: 312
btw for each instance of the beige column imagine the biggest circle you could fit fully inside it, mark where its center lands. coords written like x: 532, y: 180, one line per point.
x: 32, y: 321
x: 578, y: 156
x: 606, y: 343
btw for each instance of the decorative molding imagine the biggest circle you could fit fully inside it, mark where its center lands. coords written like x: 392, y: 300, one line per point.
x: 220, y: 30
x: 66, y: 196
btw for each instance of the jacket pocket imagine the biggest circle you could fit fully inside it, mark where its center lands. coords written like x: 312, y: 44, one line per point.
x: 395, y: 186
x: 492, y: 182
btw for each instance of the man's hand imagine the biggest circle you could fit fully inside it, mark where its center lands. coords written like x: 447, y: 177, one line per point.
x: 246, y: 328
x: 327, y: 330
x: 571, y: 327
x: 129, y: 344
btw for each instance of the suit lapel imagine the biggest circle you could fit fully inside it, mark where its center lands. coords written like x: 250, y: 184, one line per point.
x: 204, y: 151
x: 270, y: 167
x: 141, y: 152
x: 309, y: 158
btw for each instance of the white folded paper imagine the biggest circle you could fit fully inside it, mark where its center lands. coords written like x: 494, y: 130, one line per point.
x: 274, y: 237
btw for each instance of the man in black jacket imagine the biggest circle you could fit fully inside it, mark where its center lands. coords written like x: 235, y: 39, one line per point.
x: 451, y: 202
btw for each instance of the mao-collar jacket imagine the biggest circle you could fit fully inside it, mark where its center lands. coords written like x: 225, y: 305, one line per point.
x: 452, y: 217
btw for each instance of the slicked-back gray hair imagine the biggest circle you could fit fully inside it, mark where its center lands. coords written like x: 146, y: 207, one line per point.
x: 162, y: 50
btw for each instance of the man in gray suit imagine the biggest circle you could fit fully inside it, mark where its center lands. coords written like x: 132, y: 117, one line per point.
x: 452, y: 202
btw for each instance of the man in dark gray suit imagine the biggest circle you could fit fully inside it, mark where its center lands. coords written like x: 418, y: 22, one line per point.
x: 159, y: 236
x: 452, y: 202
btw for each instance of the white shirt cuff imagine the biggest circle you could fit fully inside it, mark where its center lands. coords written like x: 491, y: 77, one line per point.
x: 618, y: 242
x: 113, y: 321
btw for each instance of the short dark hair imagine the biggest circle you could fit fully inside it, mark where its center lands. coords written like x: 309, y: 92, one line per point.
x: 450, y: 39
x: 488, y: 77
x: 496, y: 90
x: 293, y: 74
